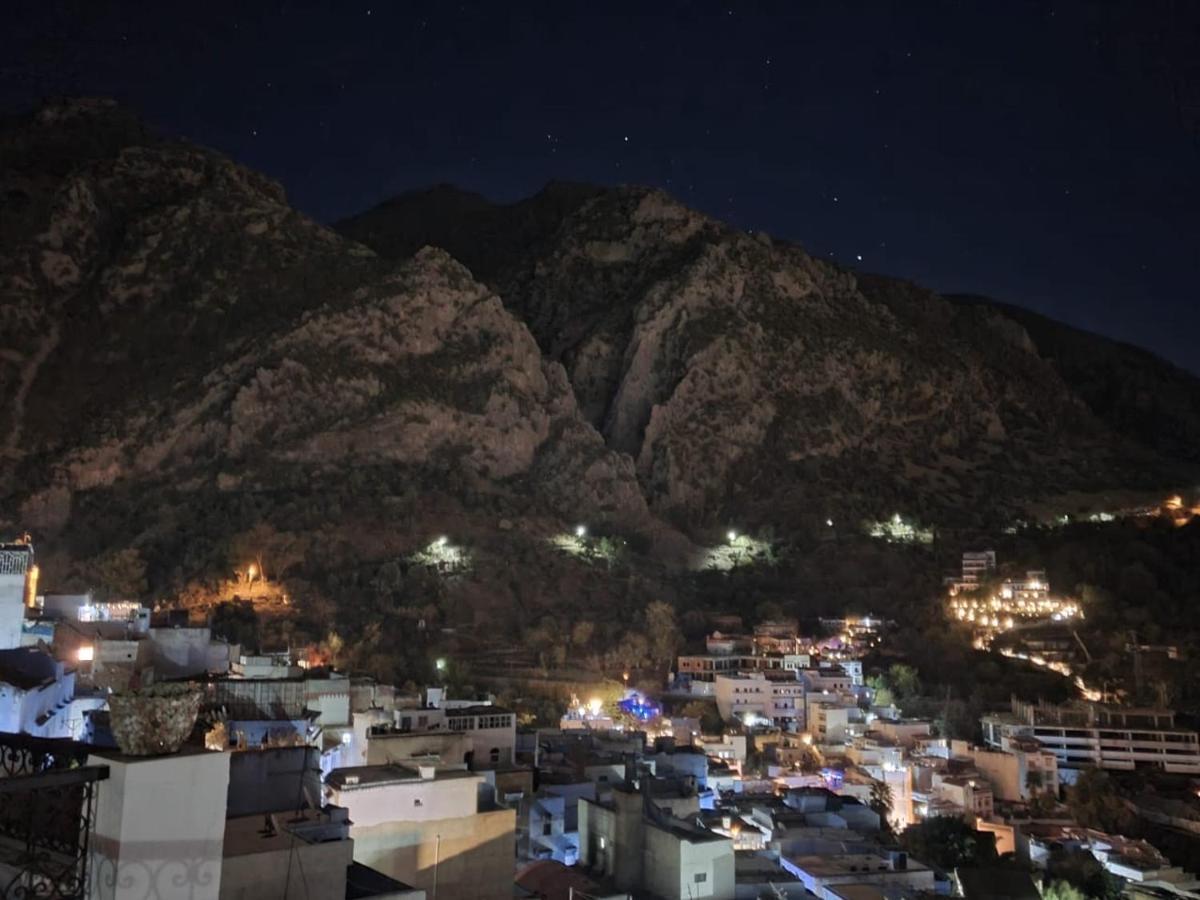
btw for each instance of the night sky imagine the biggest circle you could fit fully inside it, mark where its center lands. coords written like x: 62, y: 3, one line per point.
x: 1046, y: 154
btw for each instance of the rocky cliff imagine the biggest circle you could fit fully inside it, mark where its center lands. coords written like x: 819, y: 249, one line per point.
x: 195, y: 373
x: 186, y: 358
x: 750, y: 381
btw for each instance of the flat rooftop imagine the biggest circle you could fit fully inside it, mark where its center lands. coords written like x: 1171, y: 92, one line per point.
x: 249, y: 834
x: 353, y: 777
x: 850, y: 863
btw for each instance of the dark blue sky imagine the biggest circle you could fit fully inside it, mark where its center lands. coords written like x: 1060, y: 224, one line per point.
x: 1042, y: 153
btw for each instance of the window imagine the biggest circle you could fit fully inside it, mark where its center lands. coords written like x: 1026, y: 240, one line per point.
x: 547, y: 828
x: 417, y: 802
x: 700, y: 877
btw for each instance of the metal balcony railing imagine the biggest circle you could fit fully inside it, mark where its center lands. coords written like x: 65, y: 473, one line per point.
x: 47, y: 812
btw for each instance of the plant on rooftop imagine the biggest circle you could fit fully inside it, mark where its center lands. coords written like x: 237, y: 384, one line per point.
x: 153, y: 720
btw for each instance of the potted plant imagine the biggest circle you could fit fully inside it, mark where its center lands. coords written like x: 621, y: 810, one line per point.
x: 153, y: 720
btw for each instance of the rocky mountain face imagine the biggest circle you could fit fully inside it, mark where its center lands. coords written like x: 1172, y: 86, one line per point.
x: 194, y: 372
x: 185, y: 357
x: 751, y: 382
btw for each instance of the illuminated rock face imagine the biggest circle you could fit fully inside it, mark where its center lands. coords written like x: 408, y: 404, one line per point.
x: 170, y: 319
x: 752, y: 382
x: 183, y: 356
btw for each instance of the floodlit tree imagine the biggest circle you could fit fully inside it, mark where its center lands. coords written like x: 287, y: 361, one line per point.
x: 882, y: 693
x: 904, y: 680
x: 1061, y: 890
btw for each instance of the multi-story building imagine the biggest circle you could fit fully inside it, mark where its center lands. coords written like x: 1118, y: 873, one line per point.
x: 428, y: 827
x: 632, y: 844
x: 977, y: 566
x: 1020, y: 770
x: 700, y: 671
x: 1033, y: 589
x: 873, y: 874
x: 16, y: 571
x: 1091, y: 734
x: 762, y: 699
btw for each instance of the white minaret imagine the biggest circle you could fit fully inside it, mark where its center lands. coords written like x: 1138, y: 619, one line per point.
x: 15, y: 562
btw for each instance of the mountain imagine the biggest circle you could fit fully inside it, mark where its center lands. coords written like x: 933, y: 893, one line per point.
x: 751, y: 382
x: 404, y: 417
x: 1131, y: 390
x: 194, y: 369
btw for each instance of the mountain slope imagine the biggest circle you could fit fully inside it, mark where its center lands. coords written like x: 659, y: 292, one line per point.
x: 752, y: 382
x: 1134, y: 392
x: 196, y: 372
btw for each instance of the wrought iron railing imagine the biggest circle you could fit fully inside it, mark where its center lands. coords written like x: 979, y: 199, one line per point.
x: 47, y: 811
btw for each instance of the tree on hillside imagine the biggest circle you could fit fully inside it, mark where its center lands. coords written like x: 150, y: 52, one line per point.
x: 904, y: 681
x: 1084, y: 872
x: 881, y: 693
x: 706, y: 712
x: 118, y: 575
x: 581, y: 633
x: 947, y: 842
x: 1095, y: 802
x: 663, y: 633
x: 237, y: 622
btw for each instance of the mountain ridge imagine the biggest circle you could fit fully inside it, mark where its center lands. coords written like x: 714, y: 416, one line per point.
x: 203, y: 372
x: 589, y: 243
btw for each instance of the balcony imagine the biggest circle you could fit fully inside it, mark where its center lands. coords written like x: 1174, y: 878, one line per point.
x: 47, y: 812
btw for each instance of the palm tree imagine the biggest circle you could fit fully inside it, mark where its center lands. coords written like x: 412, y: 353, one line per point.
x: 881, y: 804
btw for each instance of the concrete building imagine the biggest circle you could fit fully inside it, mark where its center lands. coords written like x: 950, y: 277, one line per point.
x: 903, y: 732
x: 428, y: 827
x: 1091, y: 734
x: 190, y: 824
x: 831, y: 719
x: 16, y: 570
x: 636, y: 847
x: 825, y: 876
x: 977, y: 567
x: 492, y: 730
x: 264, y: 665
x: 972, y: 795
x: 186, y: 652
x: 759, y: 699
x: 37, y: 695
x: 1018, y: 771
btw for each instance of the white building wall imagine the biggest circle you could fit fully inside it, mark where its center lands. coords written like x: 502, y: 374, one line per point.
x: 415, y: 801
x: 12, y: 597
x: 160, y: 827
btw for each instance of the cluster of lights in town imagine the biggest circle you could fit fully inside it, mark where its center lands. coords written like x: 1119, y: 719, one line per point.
x: 1002, y: 613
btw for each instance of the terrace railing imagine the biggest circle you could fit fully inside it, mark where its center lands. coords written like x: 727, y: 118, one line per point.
x: 47, y: 813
